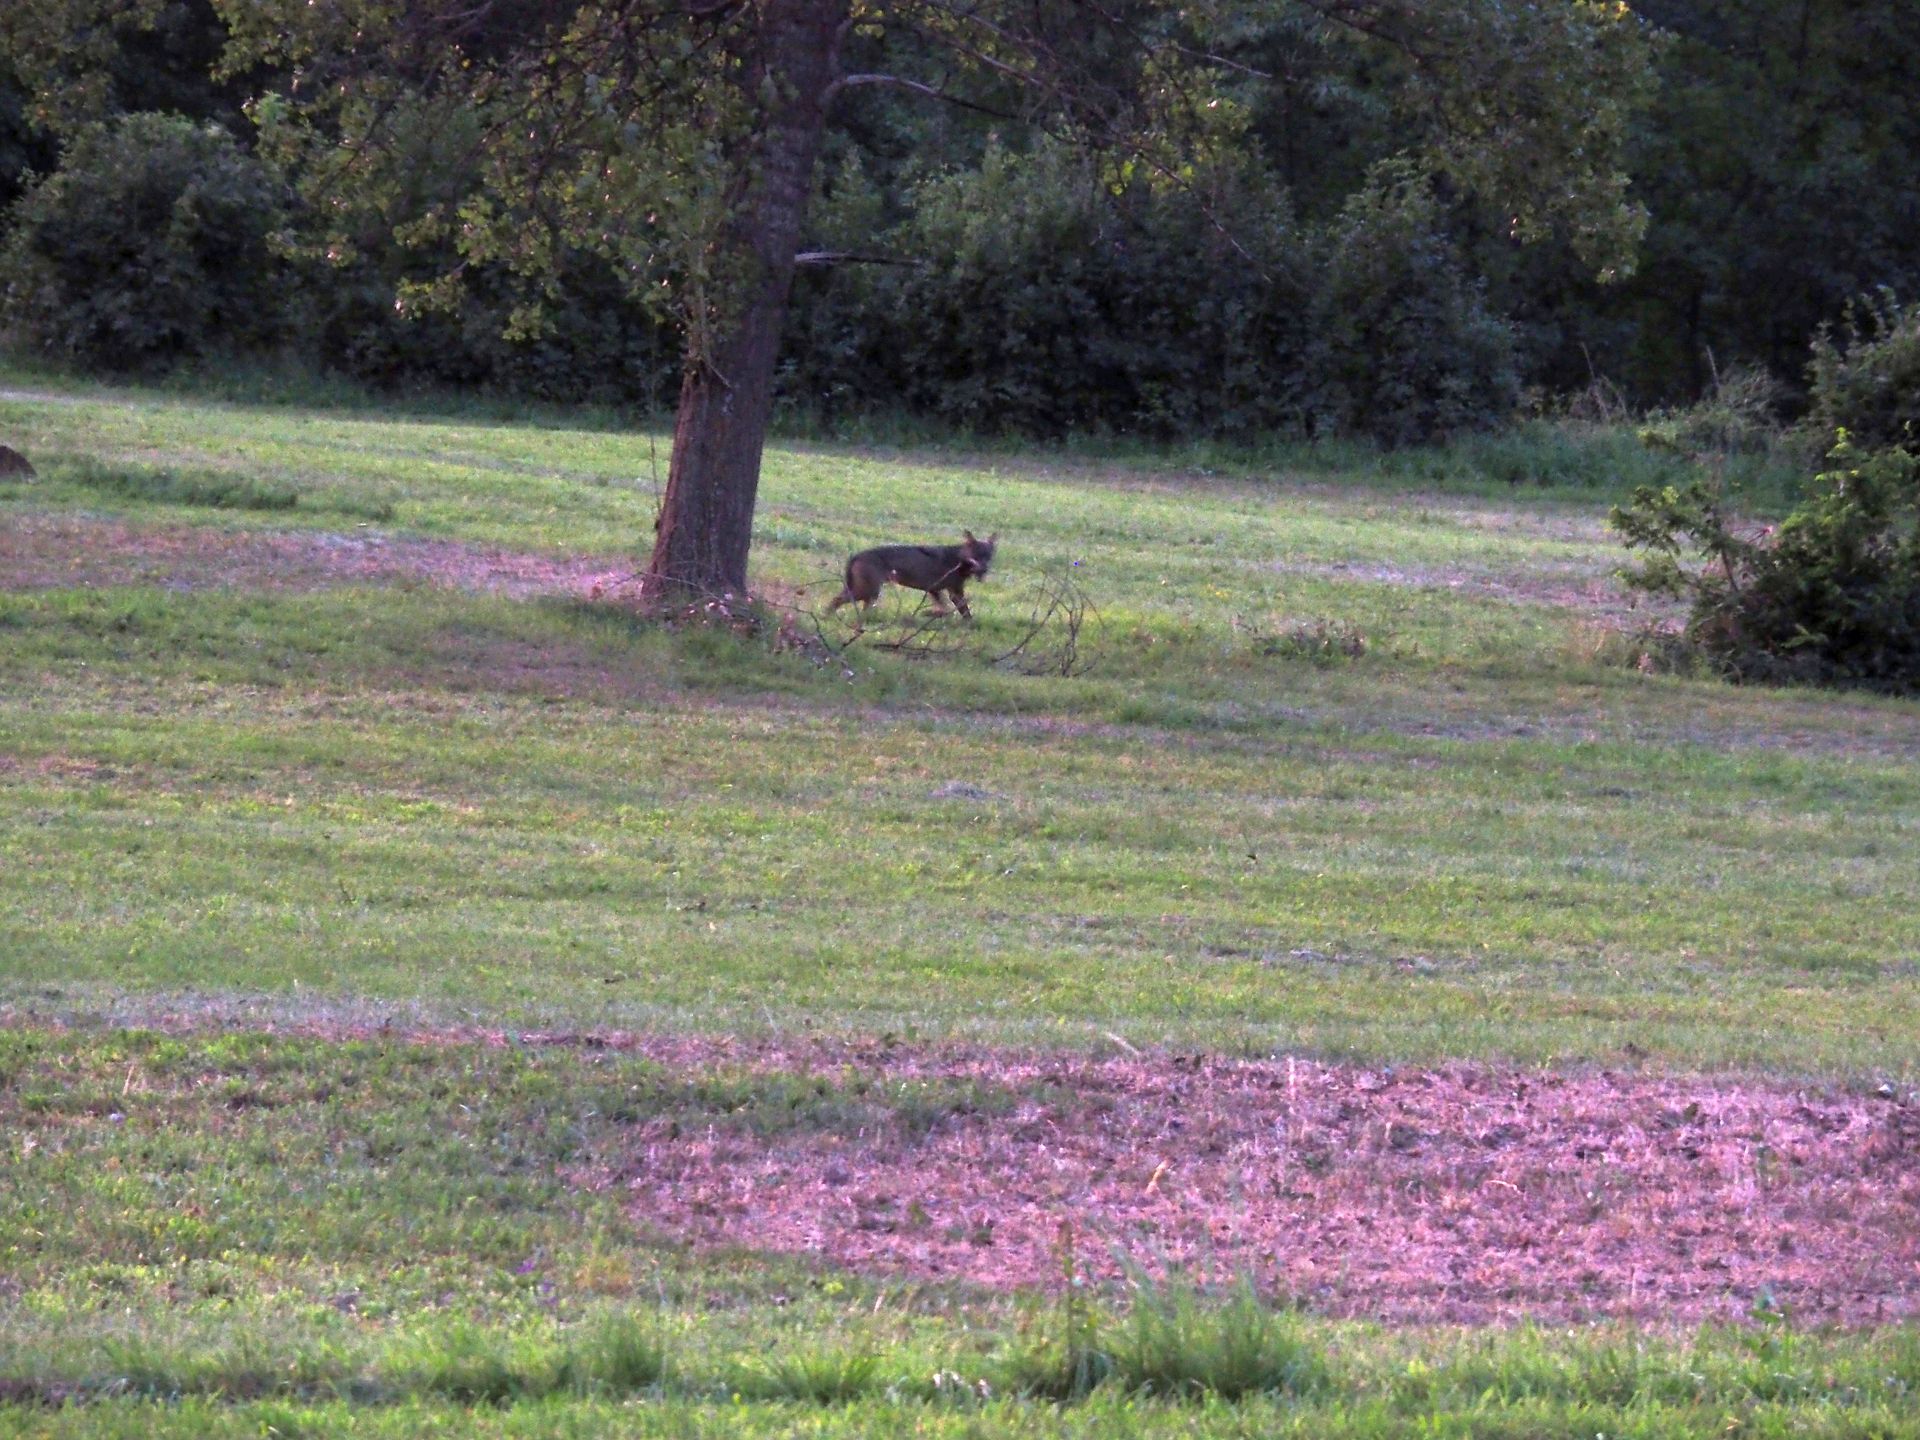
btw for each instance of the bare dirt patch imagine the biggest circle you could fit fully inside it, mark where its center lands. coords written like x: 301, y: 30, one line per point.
x: 64, y: 550
x: 1458, y: 1194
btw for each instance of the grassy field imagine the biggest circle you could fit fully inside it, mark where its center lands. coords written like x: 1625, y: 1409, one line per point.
x: 323, y: 770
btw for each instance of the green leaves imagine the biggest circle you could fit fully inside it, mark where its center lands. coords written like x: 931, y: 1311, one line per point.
x: 1869, y: 384
x: 1831, y: 595
x: 150, y: 243
x: 1529, y: 108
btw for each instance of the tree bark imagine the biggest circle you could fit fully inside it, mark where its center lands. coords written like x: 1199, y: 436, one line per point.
x: 705, y: 526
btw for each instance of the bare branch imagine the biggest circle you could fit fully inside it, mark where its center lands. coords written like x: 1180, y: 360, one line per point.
x: 918, y: 87
x: 1061, y: 610
x: 850, y: 257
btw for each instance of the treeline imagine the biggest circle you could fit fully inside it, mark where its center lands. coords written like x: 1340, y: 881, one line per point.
x: 1311, y: 282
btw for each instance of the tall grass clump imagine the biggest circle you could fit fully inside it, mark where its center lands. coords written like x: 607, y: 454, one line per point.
x: 475, y: 1364
x: 1054, y: 1365
x: 826, y: 1374
x: 1174, y: 1344
x: 200, y: 488
x: 156, y: 1361
x: 617, y: 1352
x: 1059, y: 1355
x: 168, y: 485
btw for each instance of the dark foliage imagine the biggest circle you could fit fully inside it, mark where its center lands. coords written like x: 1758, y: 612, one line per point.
x: 24, y: 147
x: 1781, y: 165
x: 1778, y: 161
x: 1415, y: 354
x: 1868, y: 382
x: 148, y: 245
x: 1037, y: 300
x: 596, y: 346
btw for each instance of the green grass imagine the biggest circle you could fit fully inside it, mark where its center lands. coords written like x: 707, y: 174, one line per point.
x: 163, y: 485
x: 1477, y: 837
x: 227, y: 812
x: 323, y: 797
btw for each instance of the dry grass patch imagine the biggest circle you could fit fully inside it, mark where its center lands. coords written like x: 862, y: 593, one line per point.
x: 1457, y: 1194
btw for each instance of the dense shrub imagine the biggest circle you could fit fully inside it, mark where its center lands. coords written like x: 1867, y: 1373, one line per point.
x: 1738, y: 415
x: 148, y: 244
x: 1039, y: 300
x: 1043, y: 302
x: 598, y: 345
x: 1831, y: 595
x: 1040, y: 294
x: 1869, y: 383
x: 994, y: 327
x: 1414, y: 353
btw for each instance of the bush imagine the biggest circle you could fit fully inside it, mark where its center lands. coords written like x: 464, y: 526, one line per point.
x: 147, y: 245
x: 1734, y: 431
x: 1020, y: 314
x: 1869, y: 386
x: 598, y: 347
x: 1830, y: 596
x: 1737, y: 416
x: 1414, y: 353
x: 1043, y: 299
x: 1040, y: 301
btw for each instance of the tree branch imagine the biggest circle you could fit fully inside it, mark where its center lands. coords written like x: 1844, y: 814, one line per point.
x: 849, y: 257
x: 918, y: 87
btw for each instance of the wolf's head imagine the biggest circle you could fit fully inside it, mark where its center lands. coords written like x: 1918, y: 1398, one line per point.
x: 977, y: 555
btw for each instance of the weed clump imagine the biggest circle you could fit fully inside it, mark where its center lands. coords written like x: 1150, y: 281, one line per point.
x: 1321, y: 641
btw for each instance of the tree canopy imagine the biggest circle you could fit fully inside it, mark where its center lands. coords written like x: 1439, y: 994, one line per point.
x: 560, y: 195
x: 679, y: 141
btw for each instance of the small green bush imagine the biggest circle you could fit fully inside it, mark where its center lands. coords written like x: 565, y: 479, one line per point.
x: 1829, y: 596
x: 149, y: 244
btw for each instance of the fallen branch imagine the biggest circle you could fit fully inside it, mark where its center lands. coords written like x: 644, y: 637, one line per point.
x: 1061, y: 613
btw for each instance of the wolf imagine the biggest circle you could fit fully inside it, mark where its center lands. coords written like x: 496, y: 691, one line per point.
x: 940, y: 570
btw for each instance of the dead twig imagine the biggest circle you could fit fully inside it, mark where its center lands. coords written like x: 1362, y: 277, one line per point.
x: 1051, y: 644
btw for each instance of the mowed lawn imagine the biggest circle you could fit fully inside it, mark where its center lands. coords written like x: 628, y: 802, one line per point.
x: 334, y: 765
x: 1479, y: 838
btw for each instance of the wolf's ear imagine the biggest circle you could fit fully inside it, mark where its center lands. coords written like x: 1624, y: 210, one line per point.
x: 994, y: 536
x: 969, y: 535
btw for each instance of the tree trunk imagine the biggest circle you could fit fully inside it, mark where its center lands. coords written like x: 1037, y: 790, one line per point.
x: 705, y: 527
